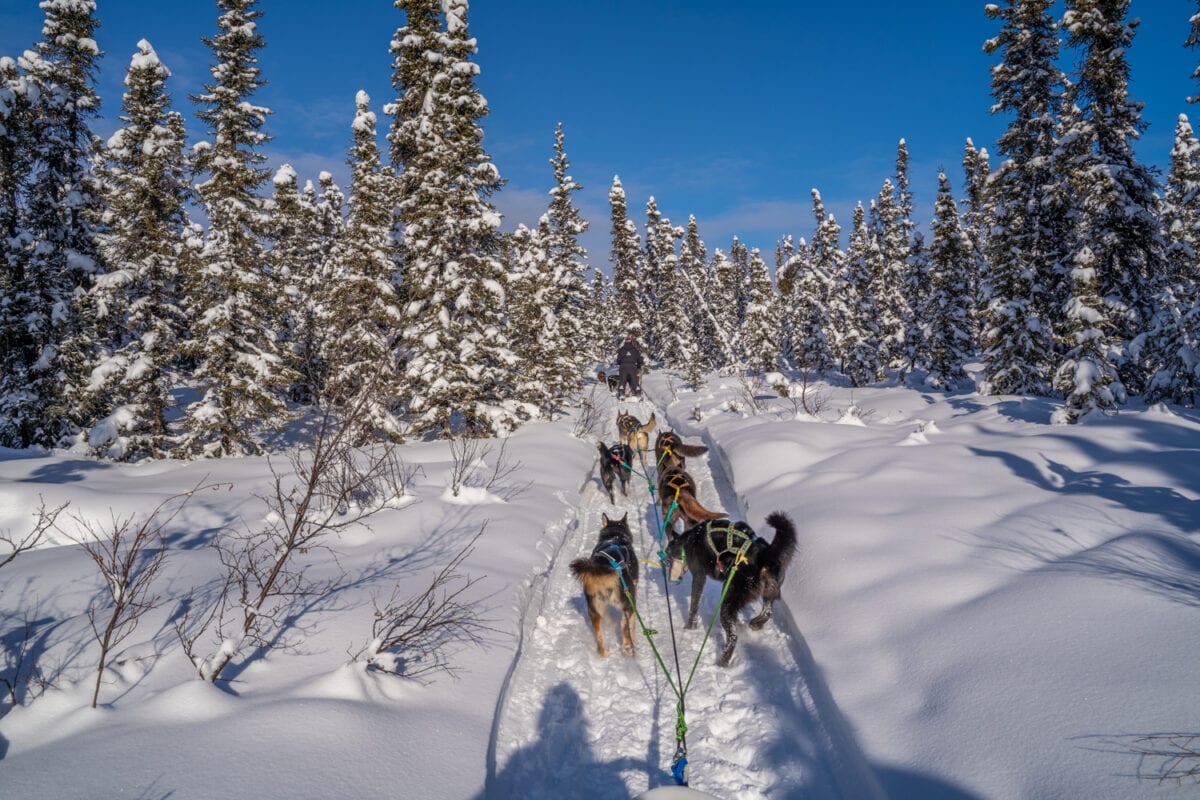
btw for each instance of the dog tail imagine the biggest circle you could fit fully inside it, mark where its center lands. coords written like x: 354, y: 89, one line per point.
x: 591, y: 565
x: 649, y: 426
x: 690, y: 450
x: 604, y: 455
x: 693, y: 510
x: 783, y: 546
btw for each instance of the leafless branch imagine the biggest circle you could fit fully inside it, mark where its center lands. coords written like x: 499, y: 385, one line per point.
x: 331, y: 487
x: 589, y: 415
x: 414, y: 636
x: 12, y: 546
x: 128, y: 555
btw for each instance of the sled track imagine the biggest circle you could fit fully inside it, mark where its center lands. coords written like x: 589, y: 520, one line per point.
x: 571, y: 724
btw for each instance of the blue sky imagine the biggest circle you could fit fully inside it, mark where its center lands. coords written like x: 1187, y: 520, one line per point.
x: 729, y: 111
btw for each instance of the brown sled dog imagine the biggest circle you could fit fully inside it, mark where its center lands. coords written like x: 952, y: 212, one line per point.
x: 677, y: 495
x: 670, y: 452
x: 633, y: 432
x: 609, y: 576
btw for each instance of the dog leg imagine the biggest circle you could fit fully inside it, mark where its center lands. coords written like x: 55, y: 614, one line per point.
x: 597, y: 617
x: 698, y: 579
x: 627, y: 627
x: 728, y: 620
x: 770, y: 593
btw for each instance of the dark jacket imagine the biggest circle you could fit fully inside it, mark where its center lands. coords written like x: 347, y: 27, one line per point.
x: 629, y: 356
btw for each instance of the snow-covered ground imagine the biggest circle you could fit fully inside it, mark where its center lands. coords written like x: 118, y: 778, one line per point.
x: 983, y: 605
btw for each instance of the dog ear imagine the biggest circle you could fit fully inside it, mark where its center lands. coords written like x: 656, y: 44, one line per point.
x: 604, y: 519
x: 625, y: 519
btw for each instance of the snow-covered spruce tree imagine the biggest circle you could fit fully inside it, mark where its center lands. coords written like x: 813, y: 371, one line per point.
x: 811, y: 291
x: 568, y: 268
x: 295, y: 262
x: 740, y: 257
x: 627, y: 265
x: 238, y: 368
x: 1116, y: 196
x: 56, y: 255
x: 359, y: 305
x: 655, y: 279
x: 19, y: 348
x: 145, y: 188
x: 602, y: 324
x: 852, y: 307
x: 1193, y: 41
x: 946, y: 305
x: 1027, y: 225
x: 891, y: 237
x: 974, y: 215
x: 459, y: 366
x: 1086, y: 378
x: 673, y: 296
x: 723, y: 287
x: 536, y: 337
x: 1171, y: 348
x: 761, y: 332
x: 693, y: 271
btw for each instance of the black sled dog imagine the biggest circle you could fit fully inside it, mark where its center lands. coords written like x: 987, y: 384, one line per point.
x: 712, y: 549
x: 606, y: 575
x: 612, y: 382
x: 615, y: 464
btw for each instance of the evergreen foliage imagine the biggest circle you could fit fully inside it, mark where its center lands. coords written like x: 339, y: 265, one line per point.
x: 1086, y: 378
x: 146, y: 247
x: 459, y: 365
x: 761, y: 332
x: 946, y: 305
x: 360, y: 308
x: 53, y: 202
x: 627, y: 312
x: 1027, y: 236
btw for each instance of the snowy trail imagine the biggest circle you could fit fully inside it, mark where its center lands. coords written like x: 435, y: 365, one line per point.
x: 570, y: 723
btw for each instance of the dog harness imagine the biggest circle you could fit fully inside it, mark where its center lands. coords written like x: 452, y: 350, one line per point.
x: 728, y: 542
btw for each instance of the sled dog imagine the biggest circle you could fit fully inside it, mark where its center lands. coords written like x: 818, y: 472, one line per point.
x: 609, y: 576
x: 713, y: 549
x: 615, y: 463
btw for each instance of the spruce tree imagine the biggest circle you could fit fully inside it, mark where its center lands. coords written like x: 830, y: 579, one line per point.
x: 1028, y: 227
x: 359, y: 300
x: 1086, y: 378
x: 239, y: 369
x: 890, y: 230
x: 853, y: 312
x: 697, y: 314
x: 627, y: 265
x: 1171, y: 348
x: 459, y: 365
x: 761, y: 331
x: 568, y: 267
x: 946, y: 305
x: 811, y: 293
x: 1116, y: 196
x: 146, y: 193
x: 975, y: 219
x: 43, y: 398
x: 19, y: 345
x: 724, y: 285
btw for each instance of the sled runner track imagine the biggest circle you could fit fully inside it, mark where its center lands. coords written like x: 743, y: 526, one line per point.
x: 570, y: 723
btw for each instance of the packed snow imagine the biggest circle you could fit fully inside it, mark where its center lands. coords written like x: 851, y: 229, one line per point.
x: 983, y: 605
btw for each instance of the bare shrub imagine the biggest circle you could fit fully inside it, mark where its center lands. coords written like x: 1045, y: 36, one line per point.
x: 469, y: 468
x: 25, y: 675
x: 589, y: 419
x: 415, y: 636
x: 12, y: 546
x: 330, y: 487
x: 1168, y: 757
x: 128, y: 556
x: 750, y: 389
